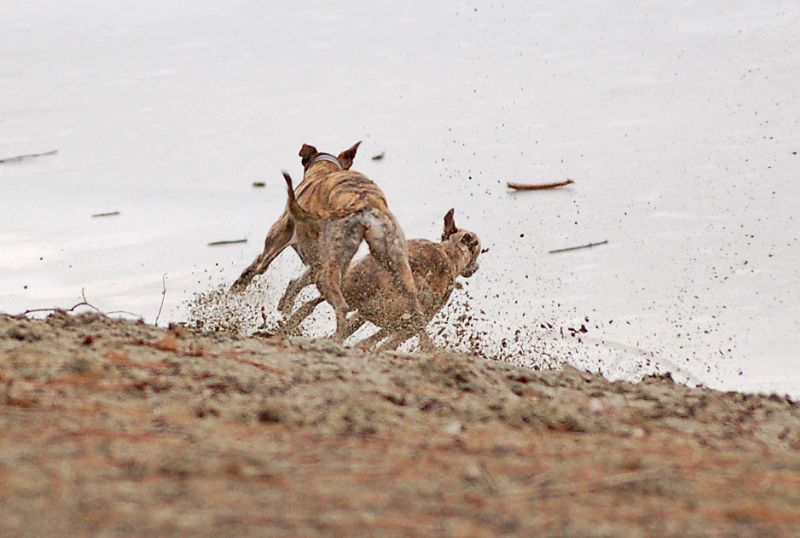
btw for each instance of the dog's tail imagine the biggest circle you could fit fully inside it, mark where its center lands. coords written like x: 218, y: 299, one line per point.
x: 295, y: 209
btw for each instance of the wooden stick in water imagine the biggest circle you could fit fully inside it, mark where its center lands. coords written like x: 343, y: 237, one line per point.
x: 538, y: 186
x: 18, y: 158
x: 230, y: 242
x: 587, y: 245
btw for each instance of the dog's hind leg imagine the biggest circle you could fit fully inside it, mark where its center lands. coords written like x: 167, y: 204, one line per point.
x: 290, y: 325
x: 338, y: 244
x: 372, y: 341
x: 329, y: 287
x: 353, y: 324
x: 278, y: 238
x: 387, y: 244
x: 395, y: 340
x: 293, y: 290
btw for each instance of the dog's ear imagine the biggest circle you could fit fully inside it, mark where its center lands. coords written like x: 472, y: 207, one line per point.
x: 346, y: 157
x: 449, y: 225
x: 470, y: 240
x: 307, y: 153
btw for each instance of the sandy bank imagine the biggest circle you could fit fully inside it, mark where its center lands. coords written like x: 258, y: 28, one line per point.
x: 109, y: 426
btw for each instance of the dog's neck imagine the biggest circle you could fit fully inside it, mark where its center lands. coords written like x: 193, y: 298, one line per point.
x: 323, y: 158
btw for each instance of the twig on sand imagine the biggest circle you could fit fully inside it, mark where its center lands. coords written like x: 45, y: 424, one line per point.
x: 548, y: 484
x: 538, y: 186
x: 18, y: 158
x: 587, y: 245
x: 84, y: 302
x: 231, y: 242
x: 612, y: 481
x: 109, y: 214
x: 163, y: 296
x: 134, y: 314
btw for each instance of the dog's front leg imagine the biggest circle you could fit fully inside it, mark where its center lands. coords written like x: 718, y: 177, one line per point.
x: 278, y: 238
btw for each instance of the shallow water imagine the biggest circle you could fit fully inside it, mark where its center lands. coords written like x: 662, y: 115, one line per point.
x: 677, y: 122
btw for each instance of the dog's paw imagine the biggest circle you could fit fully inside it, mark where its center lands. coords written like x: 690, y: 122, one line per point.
x: 241, y: 283
x: 365, y: 345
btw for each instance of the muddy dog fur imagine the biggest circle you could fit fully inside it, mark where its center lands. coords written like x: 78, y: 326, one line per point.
x: 347, y: 207
x: 368, y: 288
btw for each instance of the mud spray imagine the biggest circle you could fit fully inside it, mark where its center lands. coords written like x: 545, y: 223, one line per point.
x: 546, y: 339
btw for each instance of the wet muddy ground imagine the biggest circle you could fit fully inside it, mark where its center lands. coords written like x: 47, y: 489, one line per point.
x: 111, y: 427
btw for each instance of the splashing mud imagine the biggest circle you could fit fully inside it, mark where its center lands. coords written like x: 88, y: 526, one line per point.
x: 221, y: 310
x: 542, y: 340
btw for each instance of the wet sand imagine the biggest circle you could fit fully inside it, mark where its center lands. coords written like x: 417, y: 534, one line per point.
x: 121, y: 428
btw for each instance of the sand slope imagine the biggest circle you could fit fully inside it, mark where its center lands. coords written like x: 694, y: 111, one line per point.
x: 117, y: 428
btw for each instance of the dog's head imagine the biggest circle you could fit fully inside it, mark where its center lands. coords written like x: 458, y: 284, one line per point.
x: 309, y: 155
x: 467, y: 242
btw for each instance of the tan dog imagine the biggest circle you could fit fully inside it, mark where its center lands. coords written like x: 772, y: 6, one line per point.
x: 347, y: 207
x: 368, y: 287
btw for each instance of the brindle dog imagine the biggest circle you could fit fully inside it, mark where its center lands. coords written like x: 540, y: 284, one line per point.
x: 368, y: 287
x: 347, y: 208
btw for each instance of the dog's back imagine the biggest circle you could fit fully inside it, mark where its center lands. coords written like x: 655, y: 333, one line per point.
x: 368, y: 288
x: 339, y: 194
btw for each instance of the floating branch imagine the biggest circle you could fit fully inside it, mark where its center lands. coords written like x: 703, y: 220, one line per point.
x: 109, y: 214
x: 538, y: 186
x: 18, y: 158
x: 231, y: 242
x: 587, y: 245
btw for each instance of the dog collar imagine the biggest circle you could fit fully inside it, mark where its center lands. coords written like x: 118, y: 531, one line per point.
x: 325, y: 157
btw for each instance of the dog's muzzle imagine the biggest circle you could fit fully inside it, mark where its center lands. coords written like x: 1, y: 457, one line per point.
x: 470, y: 270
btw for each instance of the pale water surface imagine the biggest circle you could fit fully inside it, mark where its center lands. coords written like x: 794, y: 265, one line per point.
x: 679, y: 122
